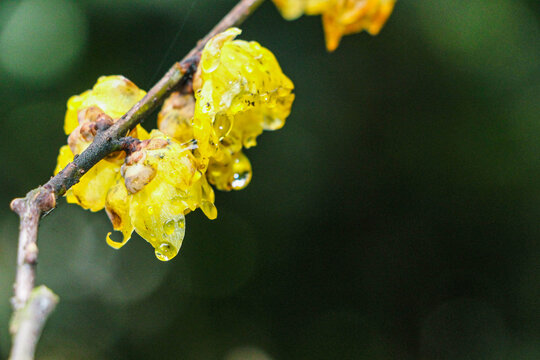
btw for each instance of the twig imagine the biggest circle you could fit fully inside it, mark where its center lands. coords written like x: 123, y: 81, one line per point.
x: 42, y: 200
x: 27, y: 324
x: 29, y: 213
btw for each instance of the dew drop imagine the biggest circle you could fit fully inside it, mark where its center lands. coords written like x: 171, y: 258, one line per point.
x: 241, y: 172
x: 169, y: 227
x: 165, y: 252
x: 174, y: 225
x: 241, y: 180
x: 161, y: 257
x: 222, y: 125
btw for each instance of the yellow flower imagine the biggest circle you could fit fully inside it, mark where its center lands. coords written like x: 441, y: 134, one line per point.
x: 83, y: 135
x: 293, y: 9
x: 240, y: 91
x: 114, y: 95
x: 148, y: 191
x: 117, y: 206
x: 161, y: 184
x: 341, y: 17
x: 110, y: 98
x: 349, y: 17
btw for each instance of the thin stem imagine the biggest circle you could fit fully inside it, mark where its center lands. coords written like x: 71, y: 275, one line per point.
x: 235, y: 17
x: 27, y: 324
x: 42, y: 200
x: 27, y: 251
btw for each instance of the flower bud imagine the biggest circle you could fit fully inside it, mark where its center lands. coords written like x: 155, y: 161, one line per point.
x: 176, y: 115
x: 136, y: 176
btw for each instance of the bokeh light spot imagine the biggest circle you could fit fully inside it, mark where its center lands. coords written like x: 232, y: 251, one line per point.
x: 495, y: 38
x: 41, y: 39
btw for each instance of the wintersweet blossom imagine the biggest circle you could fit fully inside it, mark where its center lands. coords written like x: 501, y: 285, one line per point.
x: 340, y: 17
x: 149, y: 187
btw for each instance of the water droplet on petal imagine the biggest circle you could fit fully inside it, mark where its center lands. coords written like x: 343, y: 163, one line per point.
x: 241, y: 180
x: 241, y: 172
x: 168, y: 227
x: 165, y: 252
x: 222, y: 125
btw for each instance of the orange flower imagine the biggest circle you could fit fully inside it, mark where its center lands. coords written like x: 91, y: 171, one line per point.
x: 352, y: 16
x: 341, y: 17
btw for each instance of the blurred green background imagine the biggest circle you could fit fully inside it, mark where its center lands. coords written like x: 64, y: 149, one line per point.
x: 395, y: 216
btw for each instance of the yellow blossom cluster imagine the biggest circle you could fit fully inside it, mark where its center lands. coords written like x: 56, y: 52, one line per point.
x: 158, y: 184
x: 340, y: 17
x: 110, y: 97
x: 239, y: 90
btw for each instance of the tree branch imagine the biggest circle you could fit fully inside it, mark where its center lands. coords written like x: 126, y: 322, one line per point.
x: 35, y: 305
x: 27, y: 324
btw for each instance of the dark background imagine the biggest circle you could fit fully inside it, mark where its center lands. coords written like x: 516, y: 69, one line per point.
x: 395, y: 216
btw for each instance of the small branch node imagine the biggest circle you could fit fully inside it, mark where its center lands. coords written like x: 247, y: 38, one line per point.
x: 129, y: 144
x: 18, y: 205
x: 31, y: 254
x: 46, y: 200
